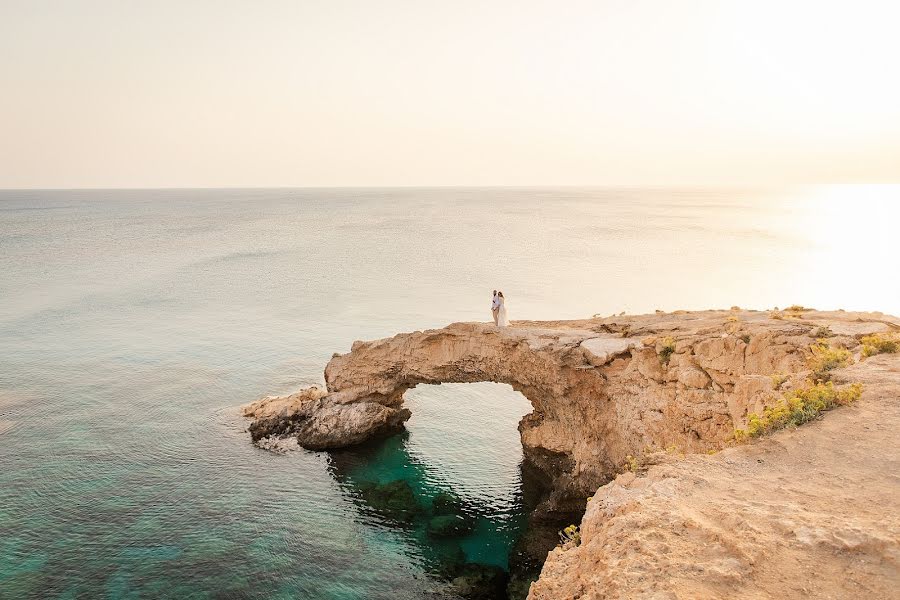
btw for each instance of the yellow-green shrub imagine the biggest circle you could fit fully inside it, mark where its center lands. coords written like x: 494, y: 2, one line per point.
x: 778, y: 380
x: 633, y: 464
x: 823, y: 332
x: 879, y: 344
x: 826, y: 359
x: 797, y: 407
x: 570, y: 534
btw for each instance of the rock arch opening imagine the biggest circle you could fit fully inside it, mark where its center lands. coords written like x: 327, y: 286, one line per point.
x: 468, y: 433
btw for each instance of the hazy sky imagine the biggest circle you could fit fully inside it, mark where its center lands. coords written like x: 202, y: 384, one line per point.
x: 116, y: 93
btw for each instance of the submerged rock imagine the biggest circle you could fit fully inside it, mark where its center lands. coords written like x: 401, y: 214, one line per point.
x: 449, y: 525
x: 446, y: 503
x: 475, y: 581
x: 395, y: 500
x: 452, y: 559
x: 520, y: 584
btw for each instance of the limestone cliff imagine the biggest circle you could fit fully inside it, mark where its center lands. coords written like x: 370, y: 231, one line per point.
x: 603, y: 390
x: 806, y: 513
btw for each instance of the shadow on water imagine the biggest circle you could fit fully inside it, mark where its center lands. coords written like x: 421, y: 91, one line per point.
x: 481, y: 553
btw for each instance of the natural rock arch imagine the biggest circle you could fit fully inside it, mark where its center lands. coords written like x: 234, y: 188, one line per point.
x: 602, y: 389
x: 556, y: 370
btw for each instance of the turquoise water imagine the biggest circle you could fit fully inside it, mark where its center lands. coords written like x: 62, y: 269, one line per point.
x: 132, y: 324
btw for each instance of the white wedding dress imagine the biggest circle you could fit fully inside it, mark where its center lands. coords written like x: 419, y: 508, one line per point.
x: 502, y: 320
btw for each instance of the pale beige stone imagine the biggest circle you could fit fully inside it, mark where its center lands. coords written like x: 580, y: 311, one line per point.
x: 599, y: 351
x: 694, y: 377
x: 282, y: 405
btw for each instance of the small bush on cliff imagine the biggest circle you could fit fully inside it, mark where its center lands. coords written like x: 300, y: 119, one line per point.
x: 667, y: 350
x: 798, y: 407
x: 638, y: 464
x: 879, y: 344
x: 826, y: 359
x: 823, y: 332
x: 778, y: 380
x: 632, y: 464
x: 674, y: 449
x: 570, y: 534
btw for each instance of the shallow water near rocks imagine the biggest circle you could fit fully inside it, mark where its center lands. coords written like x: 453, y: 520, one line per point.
x: 133, y: 323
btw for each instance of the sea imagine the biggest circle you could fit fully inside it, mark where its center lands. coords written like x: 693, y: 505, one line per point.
x: 134, y: 323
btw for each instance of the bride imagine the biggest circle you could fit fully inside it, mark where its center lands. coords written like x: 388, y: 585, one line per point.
x: 502, y: 320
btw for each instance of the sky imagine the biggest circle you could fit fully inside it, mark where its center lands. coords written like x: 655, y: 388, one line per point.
x: 229, y: 93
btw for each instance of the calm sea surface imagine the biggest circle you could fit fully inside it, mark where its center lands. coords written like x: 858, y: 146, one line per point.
x: 132, y: 323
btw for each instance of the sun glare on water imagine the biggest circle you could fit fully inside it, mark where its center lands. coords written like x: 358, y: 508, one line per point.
x: 852, y: 235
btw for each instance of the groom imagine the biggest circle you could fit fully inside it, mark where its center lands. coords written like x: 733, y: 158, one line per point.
x: 495, y: 307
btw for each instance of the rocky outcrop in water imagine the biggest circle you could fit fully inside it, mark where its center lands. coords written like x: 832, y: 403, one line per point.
x: 317, y: 422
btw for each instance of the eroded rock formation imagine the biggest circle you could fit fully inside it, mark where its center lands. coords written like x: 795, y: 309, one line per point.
x: 603, y: 390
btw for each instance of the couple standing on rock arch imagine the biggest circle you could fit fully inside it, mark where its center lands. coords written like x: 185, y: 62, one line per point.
x: 498, y: 309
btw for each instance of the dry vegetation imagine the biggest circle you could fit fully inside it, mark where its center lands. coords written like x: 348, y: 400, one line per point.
x: 880, y: 344
x: 778, y: 380
x: 826, y: 359
x: 797, y: 407
x: 666, y: 350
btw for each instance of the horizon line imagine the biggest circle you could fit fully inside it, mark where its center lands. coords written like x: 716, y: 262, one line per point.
x: 455, y: 186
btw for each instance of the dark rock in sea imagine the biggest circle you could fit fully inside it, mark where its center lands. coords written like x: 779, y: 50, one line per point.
x: 528, y: 554
x: 520, y: 584
x: 449, y: 525
x: 395, y: 500
x: 480, y: 582
x: 446, y: 503
x: 271, y: 426
x: 452, y: 559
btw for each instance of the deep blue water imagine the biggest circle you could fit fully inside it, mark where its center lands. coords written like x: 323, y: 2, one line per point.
x: 133, y: 323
